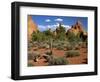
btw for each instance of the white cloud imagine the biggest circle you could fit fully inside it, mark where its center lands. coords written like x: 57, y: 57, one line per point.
x: 42, y: 27
x: 45, y: 27
x: 59, y: 19
x: 66, y: 27
x: 47, y: 20
x: 52, y: 27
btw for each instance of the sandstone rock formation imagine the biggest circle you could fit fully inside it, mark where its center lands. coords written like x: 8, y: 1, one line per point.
x: 78, y: 29
x: 32, y: 27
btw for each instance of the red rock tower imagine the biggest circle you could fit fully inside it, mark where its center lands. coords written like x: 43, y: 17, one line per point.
x: 32, y: 27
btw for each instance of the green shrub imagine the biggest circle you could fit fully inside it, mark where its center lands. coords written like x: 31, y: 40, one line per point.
x: 69, y: 46
x: 48, y: 52
x: 73, y: 39
x: 47, y: 46
x: 77, y: 47
x: 42, y: 46
x: 72, y: 53
x: 55, y: 45
x: 33, y: 55
x: 38, y: 37
x: 58, y: 61
x: 60, y: 48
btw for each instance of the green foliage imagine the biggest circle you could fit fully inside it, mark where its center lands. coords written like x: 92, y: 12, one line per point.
x: 42, y: 36
x: 47, y: 33
x: 61, y: 29
x: 44, y: 45
x: 55, y: 45
x: 33, y: 55
x: 60, y: 47
x: 61, y: 36
x: 77, y: 47
x: 49, y: 53
x: 38, y: 36
x: 69, y: 47
x: 58, y: 61
x: 72, y: 53
x: 73, y: 39
x: 60, y: 33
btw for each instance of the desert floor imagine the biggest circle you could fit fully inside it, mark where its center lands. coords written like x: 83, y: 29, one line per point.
x: 82, y: 59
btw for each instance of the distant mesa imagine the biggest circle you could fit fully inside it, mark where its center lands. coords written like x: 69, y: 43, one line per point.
x: 32, y: 27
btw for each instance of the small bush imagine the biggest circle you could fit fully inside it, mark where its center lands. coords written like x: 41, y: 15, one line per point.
x: 72, y: 53
x: 49, y: 52
x: 41, y: 46
x: 55, y: 45
x: 45, y: 45
x: 58, y: 61
x: 60, y: 48
x: 33, y: 55
x: 77, y: 47
x: 69, y: 47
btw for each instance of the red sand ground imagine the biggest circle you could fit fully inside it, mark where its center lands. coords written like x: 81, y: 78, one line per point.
x: 82, y: 59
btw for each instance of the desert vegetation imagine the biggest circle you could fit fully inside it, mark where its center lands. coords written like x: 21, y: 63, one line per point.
x: 57, y: 47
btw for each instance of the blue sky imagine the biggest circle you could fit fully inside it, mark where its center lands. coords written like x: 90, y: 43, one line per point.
x: 44, y: 22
